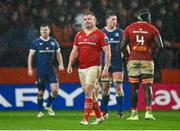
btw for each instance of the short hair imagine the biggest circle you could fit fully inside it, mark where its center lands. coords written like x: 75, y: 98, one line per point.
x: 44, y: 25
x: 90, y: 13
x: 144, y: 15
x: 108, y: 15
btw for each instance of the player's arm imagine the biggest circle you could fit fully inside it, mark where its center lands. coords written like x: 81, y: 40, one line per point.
x: 30, y: 59
x: 107, y: 60
x: 123, y: 46
x: 158, y: 46
x: 74, y: 54
x: 59, y: 59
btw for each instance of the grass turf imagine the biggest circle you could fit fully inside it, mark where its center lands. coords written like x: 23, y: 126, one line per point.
x: 69, y: 120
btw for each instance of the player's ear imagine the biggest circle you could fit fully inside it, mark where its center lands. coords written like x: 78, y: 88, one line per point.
x: 95, y: 19
x: 49, y: 29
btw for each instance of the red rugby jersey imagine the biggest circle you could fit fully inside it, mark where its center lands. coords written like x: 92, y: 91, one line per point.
x: 90, y: 47
x: 140, y: 35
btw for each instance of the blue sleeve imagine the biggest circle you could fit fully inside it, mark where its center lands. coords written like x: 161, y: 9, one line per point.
x: 121, y: 33
x: 34, y: 45
x: 56, y: 45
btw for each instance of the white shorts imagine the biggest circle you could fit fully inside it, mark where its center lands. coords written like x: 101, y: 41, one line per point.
x: 89, y: 76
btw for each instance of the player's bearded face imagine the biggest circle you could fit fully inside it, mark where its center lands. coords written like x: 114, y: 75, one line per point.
x: 89, y: 21
x: 45, y: 31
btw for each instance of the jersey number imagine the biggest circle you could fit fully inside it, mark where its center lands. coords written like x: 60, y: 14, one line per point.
x: 140, y: 40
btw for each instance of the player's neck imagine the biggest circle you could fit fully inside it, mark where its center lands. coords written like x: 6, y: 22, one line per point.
x: 44, y: 39
x: 88, y: 31
x: 110, y: 29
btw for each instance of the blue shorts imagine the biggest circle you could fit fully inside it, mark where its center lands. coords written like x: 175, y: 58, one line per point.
x: 47, y: 77
x: 116, y: 65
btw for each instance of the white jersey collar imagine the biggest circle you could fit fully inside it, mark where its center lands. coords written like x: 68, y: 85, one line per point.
x: 44, y: 39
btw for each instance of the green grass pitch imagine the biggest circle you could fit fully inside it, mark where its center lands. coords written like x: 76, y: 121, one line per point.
x: 69, y: 120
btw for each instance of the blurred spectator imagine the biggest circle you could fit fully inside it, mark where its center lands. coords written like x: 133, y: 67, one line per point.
x: 19, y: 21
x: 61, y: 29
x: 166, y: 57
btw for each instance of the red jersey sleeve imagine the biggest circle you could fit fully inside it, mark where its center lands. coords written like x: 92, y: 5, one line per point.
x: 103, y: 39
x: 156, y: 31
x: 76, y: 39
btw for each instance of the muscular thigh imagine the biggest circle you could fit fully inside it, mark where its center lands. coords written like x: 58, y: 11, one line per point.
x: 52, y: 77
x: 92, y: 75
x: 147, y: 67
x: 134, y: 68
x: 117, y: 76
x: 89, y: 76
x: 82, y: 76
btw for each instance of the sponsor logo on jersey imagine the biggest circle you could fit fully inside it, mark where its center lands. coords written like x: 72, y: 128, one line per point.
x: 52, y: 43
x: 116, y: 34
x: 111, y: 39
x: 93, y: 36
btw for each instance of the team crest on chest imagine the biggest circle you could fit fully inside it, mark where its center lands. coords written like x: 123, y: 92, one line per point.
x: 40, y: 43
x: 93, y: 36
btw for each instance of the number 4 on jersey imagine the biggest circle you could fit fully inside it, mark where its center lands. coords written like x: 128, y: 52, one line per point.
x: 140, y: 40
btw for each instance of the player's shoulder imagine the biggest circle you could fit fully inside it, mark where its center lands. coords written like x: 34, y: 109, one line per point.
x: 103, y: 29
x: 118, y: 29
x: 99, y: 32
x: 35, y: 41
x: 136, y: 23
x: 152, y: 26
x: 130, y: 26
x: 52, y: 39
x: 79, y: 32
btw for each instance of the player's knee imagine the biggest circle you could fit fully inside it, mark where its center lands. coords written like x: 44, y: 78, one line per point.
x: 105, y: 88
x: 134, y: 79
x: 54, y: 92
x: 40, y: 85
x: 40, y: 94
x: 147, y: 78
x: 88, y: 91
x: 119, y: 88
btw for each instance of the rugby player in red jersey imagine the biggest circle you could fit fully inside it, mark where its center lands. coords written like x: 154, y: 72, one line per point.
x: 141, y: 36
x: 88, y: 46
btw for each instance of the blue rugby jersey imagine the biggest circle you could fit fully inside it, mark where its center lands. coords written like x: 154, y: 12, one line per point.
x: 114, y: 41
x: 46, y: 53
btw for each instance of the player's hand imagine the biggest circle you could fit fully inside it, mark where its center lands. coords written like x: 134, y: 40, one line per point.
x: 104, y: 74
x: 61, y: 67
x: 30, y: 72
x: 69, y: 69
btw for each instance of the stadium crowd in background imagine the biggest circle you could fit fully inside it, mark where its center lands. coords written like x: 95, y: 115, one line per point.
x: 20, y: 21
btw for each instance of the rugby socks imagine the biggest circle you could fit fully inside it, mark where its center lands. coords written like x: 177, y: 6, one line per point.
x: 134, y: 94
x: 88, y: 104
x: 104, y: 104
x: 119, y: 105
x: 50, y: 100
x: 148, y: 109
x: 96, y: 109
x: 148, y: 96
x: 40, y: 103
x: 134, y: 111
